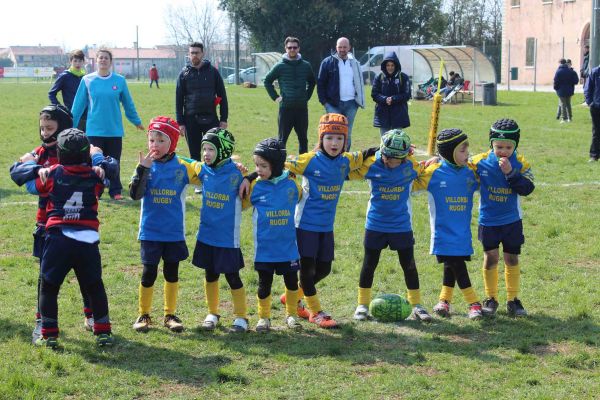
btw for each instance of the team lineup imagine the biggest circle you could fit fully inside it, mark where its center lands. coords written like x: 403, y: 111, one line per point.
x: 293, y: 201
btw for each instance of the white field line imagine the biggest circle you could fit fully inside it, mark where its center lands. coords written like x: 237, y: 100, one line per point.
x: 351, y: 192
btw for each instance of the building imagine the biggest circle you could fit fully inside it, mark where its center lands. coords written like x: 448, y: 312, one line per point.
x: 167, y: 60
x: 37, y: 56
x: 537, y: 33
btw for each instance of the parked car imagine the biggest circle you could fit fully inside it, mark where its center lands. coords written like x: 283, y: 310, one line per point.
x: 246, y: 75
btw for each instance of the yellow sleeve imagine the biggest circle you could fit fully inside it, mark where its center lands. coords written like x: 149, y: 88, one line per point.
x: 422, y: 181
x: 297, y: 165
x: 246, y: 200
x: 474, y: 160
x: 355, y: 158
x: 526, y: 168
x: 362, y: 171
x: 193, y: 169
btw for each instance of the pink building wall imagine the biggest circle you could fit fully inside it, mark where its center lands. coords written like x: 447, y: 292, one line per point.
x: 561, y: 29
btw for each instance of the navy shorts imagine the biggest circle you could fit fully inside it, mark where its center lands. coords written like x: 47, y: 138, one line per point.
x: 510, y: 235
x: 317, y: 245
x: 62, y: 253
x: 443, y: 259
x: 152, y: 251
x: 279, y: 268
x: 39, y: 237
x: 218, y: 260
x: 396, y: 240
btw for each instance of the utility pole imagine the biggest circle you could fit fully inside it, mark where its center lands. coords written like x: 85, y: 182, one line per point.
x: 595, y: 35
x: 137, y: 48
x: 237, y: 49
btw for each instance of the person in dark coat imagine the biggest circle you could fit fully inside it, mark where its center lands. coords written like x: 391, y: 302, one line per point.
x: 391, y: 93
x: 67, y: 84
x: 153, y: 74
x: 565, y: 80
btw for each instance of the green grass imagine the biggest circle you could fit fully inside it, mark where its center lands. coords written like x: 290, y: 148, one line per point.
x: 551, y: 354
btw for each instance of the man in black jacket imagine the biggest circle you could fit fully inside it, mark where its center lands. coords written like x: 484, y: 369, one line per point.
x: 199, y: 90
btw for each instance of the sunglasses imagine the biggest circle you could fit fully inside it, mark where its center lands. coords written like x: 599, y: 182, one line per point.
x: 292, y: 47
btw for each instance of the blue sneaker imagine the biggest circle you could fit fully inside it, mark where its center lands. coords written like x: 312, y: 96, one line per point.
x: 105, y: 340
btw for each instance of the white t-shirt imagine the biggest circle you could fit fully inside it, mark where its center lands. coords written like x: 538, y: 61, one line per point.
x: 347, y: 91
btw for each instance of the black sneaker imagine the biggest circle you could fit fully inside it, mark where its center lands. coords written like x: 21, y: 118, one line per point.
x: 490, y: 305
x: 515, y: 308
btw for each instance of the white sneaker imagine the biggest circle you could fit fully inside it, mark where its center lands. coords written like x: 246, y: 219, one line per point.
x: 419, y: 313
x: 210, y: 322
x: 361, y: 313
x: 292, y: 323
x: 240, y: 325
x: 264, y: 325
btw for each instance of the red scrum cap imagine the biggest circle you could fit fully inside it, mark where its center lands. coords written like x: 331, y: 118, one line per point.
x: 166, y: 126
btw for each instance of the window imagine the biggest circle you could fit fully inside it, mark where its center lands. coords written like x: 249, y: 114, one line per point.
x: 529, y: 52
x: 515, y: 3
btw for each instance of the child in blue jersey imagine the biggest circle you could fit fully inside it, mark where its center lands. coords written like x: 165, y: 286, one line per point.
x: 274, y: 196
x: 323, y: 171
x: 160, y: 180
x: 390, y: 173
x: 505, y: 176
x: 53, y: 120
x: 72, y: 238
x: 451, y: 184
x: 217, y: 248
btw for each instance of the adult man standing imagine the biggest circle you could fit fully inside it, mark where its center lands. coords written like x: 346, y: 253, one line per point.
x: 340, y: 85
x: 199, y: 90
x: 592, y: 99
x: 585, y: 64
x: 153, y: 74
x: 565, y: 80
x: 296, y: 84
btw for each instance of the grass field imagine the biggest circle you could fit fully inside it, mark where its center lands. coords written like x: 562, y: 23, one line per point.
x: 552, y: 354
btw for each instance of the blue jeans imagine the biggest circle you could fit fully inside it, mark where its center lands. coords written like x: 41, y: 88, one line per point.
x: 347, y: 108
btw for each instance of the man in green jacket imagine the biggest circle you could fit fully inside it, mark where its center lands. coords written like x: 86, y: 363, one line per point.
x: 296, y: 83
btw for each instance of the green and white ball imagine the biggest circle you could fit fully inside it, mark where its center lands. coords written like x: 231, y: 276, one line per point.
x: 390, y: 308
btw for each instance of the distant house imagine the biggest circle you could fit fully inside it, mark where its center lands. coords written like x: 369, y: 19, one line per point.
x: 167, y: 60
x: 37, y: 56
x: 537, y: 33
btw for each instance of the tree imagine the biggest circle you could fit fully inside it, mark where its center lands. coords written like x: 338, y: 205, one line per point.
x: 199, y: 21
x: 6, y: 62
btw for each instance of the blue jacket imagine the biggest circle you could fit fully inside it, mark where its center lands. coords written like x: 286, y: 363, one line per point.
x: 396, y: 86
x: 328, y: 81
x: 67, y: 83
x: 592, y: 88
x: 565, y: 80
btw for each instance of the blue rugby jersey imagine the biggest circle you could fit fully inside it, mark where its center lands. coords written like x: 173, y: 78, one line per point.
x: 274, y: 202
x: 322, y: 181
x: 500, y: 203
x: 162, y: 214
x: 389, y: 208
x: 221, y: 212
x: 450, y: 191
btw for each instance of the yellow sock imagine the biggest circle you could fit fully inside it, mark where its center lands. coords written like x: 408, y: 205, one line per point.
x: 300, y: 293
x: 313, y: 303
x: 145, y: 299
x: 291, y: 302
x: 364, y: 296
x: 212, y: 296
x: 490, y: 281
x: 264, y: 307
x: 239, y: 302
x: 414, y: 296
x: 446, y: 294
x: 170, y: 295
x: 512, y: 276
x: 470, y: 295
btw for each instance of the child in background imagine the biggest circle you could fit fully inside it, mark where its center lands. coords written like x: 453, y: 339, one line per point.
x: 274, y: 196
x: 505, y: 176
x: 68, y: 82
x: 217, y: 248
x: 53, y: 120
x: 451, y: 185
x: 323, y: 171
x: 390, y: 173
x: 72, y: 187
x: 160, y: 180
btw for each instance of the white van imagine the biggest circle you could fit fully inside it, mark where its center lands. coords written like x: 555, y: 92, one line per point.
x: 412, y: 63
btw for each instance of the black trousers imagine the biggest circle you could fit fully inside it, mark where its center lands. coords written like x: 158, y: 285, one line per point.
x: 595, y: 147
x: 111, y: 146
x: 194, y: 132
x: 294, y: 118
